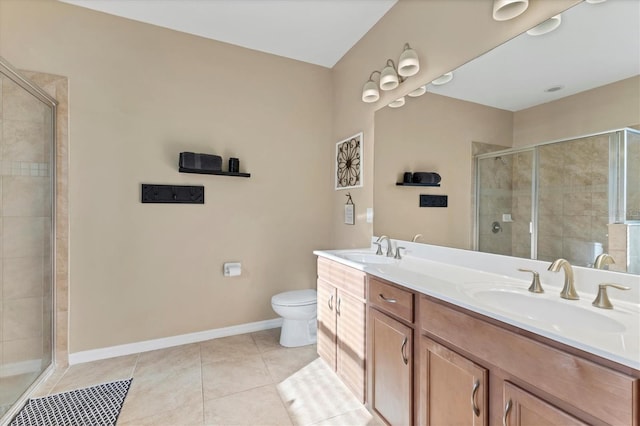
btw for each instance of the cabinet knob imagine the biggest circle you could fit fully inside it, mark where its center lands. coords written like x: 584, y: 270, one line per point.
x: 338, y: 306
x: 330, y: 302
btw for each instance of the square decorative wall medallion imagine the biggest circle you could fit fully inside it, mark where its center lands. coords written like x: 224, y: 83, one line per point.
x: 349, y: 162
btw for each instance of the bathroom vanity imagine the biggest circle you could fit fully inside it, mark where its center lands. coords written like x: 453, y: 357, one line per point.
x: 447, y: 344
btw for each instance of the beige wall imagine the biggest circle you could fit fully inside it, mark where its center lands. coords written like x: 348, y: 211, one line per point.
x: 139, y: 95
x: 446, y: 34
x: 426, y: 135
x: 609, y: 107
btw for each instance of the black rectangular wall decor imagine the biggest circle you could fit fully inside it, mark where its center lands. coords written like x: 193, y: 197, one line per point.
x: 433, y: 200
x: 180, y: 194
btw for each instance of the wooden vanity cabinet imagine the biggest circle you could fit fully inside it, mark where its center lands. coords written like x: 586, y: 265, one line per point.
x: 453, y: 389
x: 341, y: 323
x: 390, y: 341
x: 524, y: 409
x: 531, y: 380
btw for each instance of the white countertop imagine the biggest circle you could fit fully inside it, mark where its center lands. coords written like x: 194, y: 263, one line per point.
x: 611, y: 334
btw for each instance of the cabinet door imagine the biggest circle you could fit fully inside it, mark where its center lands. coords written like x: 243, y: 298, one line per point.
x: 351, y: 343
x: 391, y: 369
x: 327, y: 323
x: 524, y: 409
x: 453, y: 389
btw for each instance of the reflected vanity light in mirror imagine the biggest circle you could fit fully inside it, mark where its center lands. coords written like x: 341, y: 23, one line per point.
x: 418, y: 92
x: 503, y: 10
x: 546, y: 27
x: 397, y: 103
x: 443, y: 79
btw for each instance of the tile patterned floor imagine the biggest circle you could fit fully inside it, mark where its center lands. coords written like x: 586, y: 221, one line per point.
x: 247, y: 379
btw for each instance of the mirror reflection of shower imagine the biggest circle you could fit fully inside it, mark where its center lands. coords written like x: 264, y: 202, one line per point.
x: 573, y: 199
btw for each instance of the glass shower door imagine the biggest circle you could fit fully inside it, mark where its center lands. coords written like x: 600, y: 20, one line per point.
x: 573, y: 199
x: 26, y: 232
x: 504, y: 193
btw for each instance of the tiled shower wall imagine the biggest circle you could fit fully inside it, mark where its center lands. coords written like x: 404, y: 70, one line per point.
x: 572, y: 199
x: 25, y: 215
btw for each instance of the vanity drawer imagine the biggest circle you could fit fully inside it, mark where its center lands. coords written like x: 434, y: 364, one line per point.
x: 391, y: 299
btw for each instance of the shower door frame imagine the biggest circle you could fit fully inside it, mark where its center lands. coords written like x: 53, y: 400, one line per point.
x: 14, y: 75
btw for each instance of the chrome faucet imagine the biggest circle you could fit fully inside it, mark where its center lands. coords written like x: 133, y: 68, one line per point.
x: 602, y: 260
x: 569, y: 289
x: 389, y: 247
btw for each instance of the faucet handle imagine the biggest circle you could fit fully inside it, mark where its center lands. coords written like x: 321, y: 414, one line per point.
x: 397, y: 256
x: 602, y: 300
x: 379, y: 251
x: 535, y: 286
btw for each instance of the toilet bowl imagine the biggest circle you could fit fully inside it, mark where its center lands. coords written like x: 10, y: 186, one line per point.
x: 298, y: 310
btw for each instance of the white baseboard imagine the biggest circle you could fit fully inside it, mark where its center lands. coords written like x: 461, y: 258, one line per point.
x: 167, y: 342
x: 19, y: 368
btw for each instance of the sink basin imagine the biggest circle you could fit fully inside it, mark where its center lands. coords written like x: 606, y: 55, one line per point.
x: 368, y: 258
x: 563, y: 316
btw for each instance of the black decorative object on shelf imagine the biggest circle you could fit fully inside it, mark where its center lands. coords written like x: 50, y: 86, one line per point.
x: 220, y: 173
x: 426, y: 177
x: 433, y: 200
x: 174, y: 194
x: 205, y: 162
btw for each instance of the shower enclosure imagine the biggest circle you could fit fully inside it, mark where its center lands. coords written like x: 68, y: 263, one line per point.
x: 571, y: 199
x: 27, y: 129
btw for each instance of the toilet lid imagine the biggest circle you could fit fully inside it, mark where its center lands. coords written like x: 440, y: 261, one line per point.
x: 295, y: 298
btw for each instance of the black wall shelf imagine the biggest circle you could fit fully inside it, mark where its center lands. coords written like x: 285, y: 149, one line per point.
x: 416, y: 184
x: 220, y: 172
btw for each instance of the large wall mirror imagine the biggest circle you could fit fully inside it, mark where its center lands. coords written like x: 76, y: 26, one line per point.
x: 537, y: 143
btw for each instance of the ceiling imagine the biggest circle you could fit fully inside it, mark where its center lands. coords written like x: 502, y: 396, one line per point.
x: 315, y: 31
x: 596, y: 44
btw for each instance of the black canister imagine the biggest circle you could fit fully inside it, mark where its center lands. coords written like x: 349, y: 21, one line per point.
x: 408, y: 176
x: 234, y: 165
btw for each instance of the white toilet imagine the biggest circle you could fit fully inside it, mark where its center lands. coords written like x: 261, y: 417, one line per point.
x: 299, y: 312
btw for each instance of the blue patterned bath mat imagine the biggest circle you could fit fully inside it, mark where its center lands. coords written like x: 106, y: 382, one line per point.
x: 97, y: 405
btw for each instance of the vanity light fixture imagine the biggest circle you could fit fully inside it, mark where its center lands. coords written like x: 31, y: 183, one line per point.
x: 418, y: 92
x: 408, y: 64
x: 503, y: 10
x: 391, y: 76
x: 546, y: 27
x: 370, y: 91
x: 397, y: 103
x: 443, y: 79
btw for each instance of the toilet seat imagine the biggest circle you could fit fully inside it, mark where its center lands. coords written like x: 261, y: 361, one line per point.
x: 295, y: 298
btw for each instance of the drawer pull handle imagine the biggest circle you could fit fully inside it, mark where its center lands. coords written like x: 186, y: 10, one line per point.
x: 381, y: 296
x: 507, y: 409
x: 474, y: 391
x: 404, y: 345
x: 330, y: 302
x: 338, y: 306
